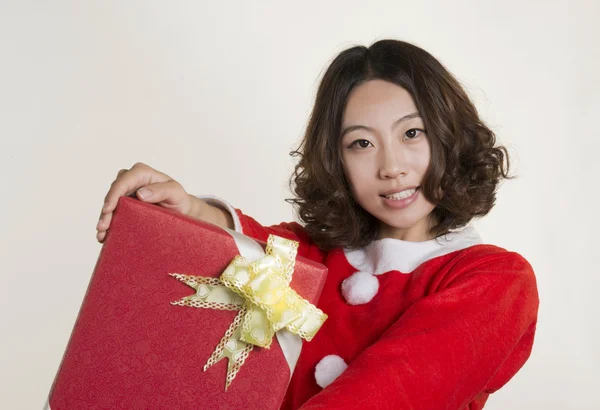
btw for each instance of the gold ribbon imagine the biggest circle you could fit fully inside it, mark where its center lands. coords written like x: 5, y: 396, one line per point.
x: 261, y: 292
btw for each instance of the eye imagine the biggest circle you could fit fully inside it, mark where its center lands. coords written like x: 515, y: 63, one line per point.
x: 413, y: 133
x: 361, y: 143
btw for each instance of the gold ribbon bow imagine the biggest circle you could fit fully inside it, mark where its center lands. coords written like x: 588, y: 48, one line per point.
x: 261, y: 292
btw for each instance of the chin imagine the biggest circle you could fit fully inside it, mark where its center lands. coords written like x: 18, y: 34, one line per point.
x: 402, y: 221
x: 399, y: 227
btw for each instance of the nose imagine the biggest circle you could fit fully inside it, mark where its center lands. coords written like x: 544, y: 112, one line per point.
x: 393, y: 164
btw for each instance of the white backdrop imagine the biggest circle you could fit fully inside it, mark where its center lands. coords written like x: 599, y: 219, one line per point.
x: 201, y: 90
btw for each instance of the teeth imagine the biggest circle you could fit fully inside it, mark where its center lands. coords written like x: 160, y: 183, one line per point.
x: 402, y: 195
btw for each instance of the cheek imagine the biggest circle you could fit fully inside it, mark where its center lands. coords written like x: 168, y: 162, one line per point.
x: 357, y: 179
x: 424, y: 165
x: 423, y: 159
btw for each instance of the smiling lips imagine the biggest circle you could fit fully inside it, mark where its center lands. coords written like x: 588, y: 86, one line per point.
x: 400, y: 195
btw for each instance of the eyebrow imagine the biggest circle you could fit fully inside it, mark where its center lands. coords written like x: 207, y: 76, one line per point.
x: 364, y: 127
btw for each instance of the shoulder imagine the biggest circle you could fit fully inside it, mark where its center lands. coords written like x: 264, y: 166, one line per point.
x: 485, y: 254
x: 492, y: 264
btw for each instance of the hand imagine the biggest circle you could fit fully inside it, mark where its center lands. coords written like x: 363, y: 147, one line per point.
x: 149, y: 185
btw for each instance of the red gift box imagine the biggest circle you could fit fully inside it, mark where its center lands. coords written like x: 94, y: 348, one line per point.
x: 132, y: 349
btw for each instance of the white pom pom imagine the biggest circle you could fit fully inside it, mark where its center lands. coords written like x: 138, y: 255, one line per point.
x: 329, y: 368
x: 360, y: 288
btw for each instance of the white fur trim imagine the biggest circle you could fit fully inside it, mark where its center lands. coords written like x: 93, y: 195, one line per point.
x: 329, y: 368
x: 360, y: 288
x: 384, y: 255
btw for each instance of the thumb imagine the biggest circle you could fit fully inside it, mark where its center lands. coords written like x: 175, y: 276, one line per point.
x: 144, y: 194
x: 167, y: 194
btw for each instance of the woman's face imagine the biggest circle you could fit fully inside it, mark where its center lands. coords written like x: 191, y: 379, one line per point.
x: 385, y: 151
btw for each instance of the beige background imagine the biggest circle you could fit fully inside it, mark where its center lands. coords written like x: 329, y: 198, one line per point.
x: 216, y: 94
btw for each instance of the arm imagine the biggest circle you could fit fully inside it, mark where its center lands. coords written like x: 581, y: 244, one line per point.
x: 448, y: 347
x: 201, y: 209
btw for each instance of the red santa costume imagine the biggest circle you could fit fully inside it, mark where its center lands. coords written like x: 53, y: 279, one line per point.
x: 428, y: 325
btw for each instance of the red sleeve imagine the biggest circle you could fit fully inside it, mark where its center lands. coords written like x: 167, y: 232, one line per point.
x: 289, y: 230
x: 469, y: 338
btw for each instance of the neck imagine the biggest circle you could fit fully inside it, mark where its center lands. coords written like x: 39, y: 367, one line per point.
x: 419, y: 232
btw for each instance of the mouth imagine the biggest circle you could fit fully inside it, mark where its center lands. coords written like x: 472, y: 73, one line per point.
x: 402, y: 194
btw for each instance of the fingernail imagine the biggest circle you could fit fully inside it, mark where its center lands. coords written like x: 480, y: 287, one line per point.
x: 145, y: 193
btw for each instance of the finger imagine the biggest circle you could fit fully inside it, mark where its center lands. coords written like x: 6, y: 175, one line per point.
x: 99, y: 220
x: 104, y: 222
x: 130, y: 181
x: 100, y: 236
x: 170, y: 193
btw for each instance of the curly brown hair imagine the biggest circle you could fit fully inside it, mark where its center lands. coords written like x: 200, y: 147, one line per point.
x: 466, y: 165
